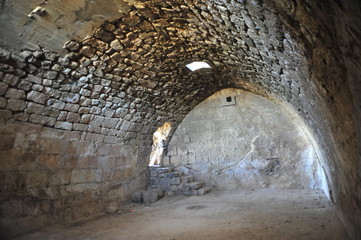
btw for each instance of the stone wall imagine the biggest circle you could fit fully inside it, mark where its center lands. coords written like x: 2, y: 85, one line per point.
x: 51, y: 176
x: 248, y: 142
x: 127, y: 77
x: 65, y: 154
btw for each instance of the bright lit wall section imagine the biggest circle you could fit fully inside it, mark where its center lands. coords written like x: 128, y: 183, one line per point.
x: 197, y: 65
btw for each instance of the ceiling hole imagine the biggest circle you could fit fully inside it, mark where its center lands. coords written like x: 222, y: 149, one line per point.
x: 193, y: 66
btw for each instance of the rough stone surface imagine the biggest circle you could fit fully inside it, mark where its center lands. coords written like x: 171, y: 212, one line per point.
x: 249, y: 142
x: 303, y: 54
x: 173, y: 182
x: 262, y: 214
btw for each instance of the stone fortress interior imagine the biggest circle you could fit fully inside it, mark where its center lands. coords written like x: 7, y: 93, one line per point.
x: 86, y: 84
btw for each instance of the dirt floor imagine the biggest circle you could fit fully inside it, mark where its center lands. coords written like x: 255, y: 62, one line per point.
x: 262, y: 214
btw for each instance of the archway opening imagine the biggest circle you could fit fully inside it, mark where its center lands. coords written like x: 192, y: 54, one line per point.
x: 160, y: 143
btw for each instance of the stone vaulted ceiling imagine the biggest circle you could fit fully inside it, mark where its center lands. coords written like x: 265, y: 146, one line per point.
x: 123, y: 71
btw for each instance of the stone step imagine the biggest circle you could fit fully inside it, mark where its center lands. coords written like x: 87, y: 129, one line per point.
x: 172, y: 183
x: 154, y: 170
x: 195, y: 185
x: 204, y: 190
x: 169, y: 175
x: 187, y: 179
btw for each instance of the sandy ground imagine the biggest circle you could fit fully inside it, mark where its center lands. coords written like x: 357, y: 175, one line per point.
x: 261, y: 215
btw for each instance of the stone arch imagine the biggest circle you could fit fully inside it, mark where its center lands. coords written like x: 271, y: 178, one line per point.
x: 247, y: 143
x: 97, y: 94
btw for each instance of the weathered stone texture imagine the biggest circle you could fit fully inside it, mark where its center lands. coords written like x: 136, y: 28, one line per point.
x: 247, y: 143
x: 60, y: 171
x: 305, y: 54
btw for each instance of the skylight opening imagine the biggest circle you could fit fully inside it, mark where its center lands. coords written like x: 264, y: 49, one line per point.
x: 197, y: 65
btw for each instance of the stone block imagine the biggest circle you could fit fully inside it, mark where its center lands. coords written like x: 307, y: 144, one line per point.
x: 86, y: 118
x: 94, y: 137
x: 3, y: 102
x: 154, y: 187
x: 3, y: 88
x: 50, y: 75
x: 24, y: 85
x: 187, y: 179
x: 103, y: 149
x: 184, y: 187
x: 70, y: 97
x: 70, y: 107
x: 43, y: 120
x: 36, y: 178
x: 51, y: 162
x: 104, y: 131
x: 96, y: 121
x: 51, y: 133
x: 10, y: 79
x: 153, y: 181
x: 73, y: 117
x: 16, y: 105
x: 110, y: 139
x: 57, y: 104
x: 169, y: 175
x: 47, y: 82
x: 38, y: 97
x: 122, y: 174
x: 87, y: 51
x: 72, y: 136
x: 34, y: 79
x: 60, y: 177
x: 80, y: 127
x: 204, y: 190
x: 71, y: 45
x: 150, y: 196
x: 21, y: 116
x: 95, y: 129
x: 116, y: 45
x: 195, y: 185
x: 163, y: 170
x: 34, y: 108
x: 85, y: 92
x: 112, y: 208
x: 51, y: 112
x: 170, y: 193
x: 62, y: 116
x: 138, y: 196
x: 175, y: 181
x: 110, y: 122
x: 63, y: 125
x: 15, y: 93
x: 125, y: 125
x: 104, y: 35
x: 37, y: 87
x: 153, y: 172
x: 194, y: 193
x: 107, y: 112
x: 165, y: 182
x: 188, y: 193
x: 84, y: 110
x: 95, y: 110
